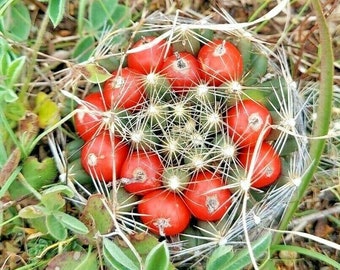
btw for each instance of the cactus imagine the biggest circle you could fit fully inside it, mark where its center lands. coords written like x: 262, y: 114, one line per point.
x: 189, y: 130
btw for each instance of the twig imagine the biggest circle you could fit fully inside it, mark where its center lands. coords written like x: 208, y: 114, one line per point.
x: 315, y: 216
x: 300, y: 223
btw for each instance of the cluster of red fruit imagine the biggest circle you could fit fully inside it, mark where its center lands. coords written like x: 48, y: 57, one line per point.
x: 164, y: 127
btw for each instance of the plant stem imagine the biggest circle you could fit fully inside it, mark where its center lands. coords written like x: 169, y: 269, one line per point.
x: 258, y: 11
x: 23, y: 181
x: 323, y: 116
x: 36, y: 47
x: 81, y: 16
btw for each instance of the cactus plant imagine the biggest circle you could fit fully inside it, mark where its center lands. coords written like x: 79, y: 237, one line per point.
x: 209, y: 131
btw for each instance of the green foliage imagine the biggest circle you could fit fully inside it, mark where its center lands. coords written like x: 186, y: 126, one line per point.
x: 53, y: 200
x: 47, y: 110
x: 62, y: 189
x: 14, y: 111
x: 122, y: 16
x: 224, y: 258
x: 52, y: 215
x: 221, y: 255
x: 55, y: 228
x: 33, y: 211
x: 11, y: 108
x: 115, y: 257
x: 71, y: 222
x: 11, y: 67
x: 158, y: 258
x: 36, y: 173
x: 35, y: 247
x: 102, y: 16
x: 84, y: 48
x: 144, y: 244
x: 56, y: 10
x: 96, y: 216
x: 101, y: 12
x: 15, y: 21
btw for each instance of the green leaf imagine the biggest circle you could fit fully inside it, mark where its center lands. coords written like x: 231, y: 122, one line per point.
x: 4, y: 4
x: 71, y: 222
x: 89, y: 263
x: 142, y: 242
x: 96, y: 215
x: 17, y: 21
x: 158, y: 258
x: 55, y: 228
x: 39, y: 173
x: 116, y: 258
x: 5, y: 56
x: 84, y: 49
x: 14, y: 111
x: 56, y: 10
x: 241, y: 259
x: 32, y: 211
x: 95, y: 73
x: 36, y: 173
x: 100, y: 11
x: 121, y: 16
x: 7, y: 94
x: 53, y: 201
x: 110, y: 63
x: 14, y: 71
x: 47, y: 110
x: 219, y: 257
x: 60, y: 189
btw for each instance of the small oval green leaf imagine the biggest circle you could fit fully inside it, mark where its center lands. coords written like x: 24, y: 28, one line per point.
x: 121, y: 16
x: 17, y: 21
x: 56, y: 10
x: 55, y: 228
x: 60, y: 189
x: 84, y: 49
x: 71, y: 222
x: 14, y: 71
x: 32, y: 211
x: 219, y: 257
x: 116, y: 258
x: 158, y: 258
x: 242, y: 258
x: 7, y: 94
x: 100, y: 11
x: 53, y: 201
